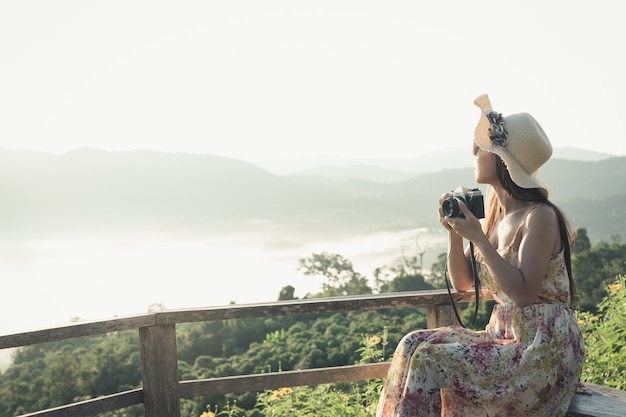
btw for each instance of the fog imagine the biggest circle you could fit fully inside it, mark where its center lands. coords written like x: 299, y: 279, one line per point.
x: 51, y: 282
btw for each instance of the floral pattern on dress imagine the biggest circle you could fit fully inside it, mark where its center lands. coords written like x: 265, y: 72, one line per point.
x: 527, y: 361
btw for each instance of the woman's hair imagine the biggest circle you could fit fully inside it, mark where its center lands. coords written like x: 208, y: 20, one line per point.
x: 494, y: 211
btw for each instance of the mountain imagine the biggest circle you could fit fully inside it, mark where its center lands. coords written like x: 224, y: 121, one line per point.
x: 580, y: 154
x: 93, y: 189
x: 371, y: 173
x: 455, y: 157
x: 90, y: 189
x: 397, y: 169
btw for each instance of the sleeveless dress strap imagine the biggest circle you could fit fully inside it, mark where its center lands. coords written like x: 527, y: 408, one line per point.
x: 519, y: 228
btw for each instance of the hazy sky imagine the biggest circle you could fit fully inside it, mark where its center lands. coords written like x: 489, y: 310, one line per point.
x: 269, y: 79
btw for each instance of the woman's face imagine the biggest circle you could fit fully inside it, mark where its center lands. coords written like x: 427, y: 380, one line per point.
x: 485, y: 166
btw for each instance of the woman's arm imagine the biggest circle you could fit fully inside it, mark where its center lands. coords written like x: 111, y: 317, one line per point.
x: 457, y: 261
x: 459, y: 264
x: 520, y: 282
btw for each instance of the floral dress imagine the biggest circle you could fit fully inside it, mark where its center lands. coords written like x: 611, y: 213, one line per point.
x: 527, y: 361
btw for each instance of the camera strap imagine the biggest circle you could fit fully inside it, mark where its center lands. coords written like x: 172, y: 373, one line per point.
x: 476, y: 288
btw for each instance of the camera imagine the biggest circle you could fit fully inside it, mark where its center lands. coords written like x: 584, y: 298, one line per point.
x: 472, y: 198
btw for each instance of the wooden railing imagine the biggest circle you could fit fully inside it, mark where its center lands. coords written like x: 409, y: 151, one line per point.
x: 162, y: 391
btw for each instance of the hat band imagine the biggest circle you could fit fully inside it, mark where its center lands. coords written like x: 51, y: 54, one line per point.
x: 497, y: 132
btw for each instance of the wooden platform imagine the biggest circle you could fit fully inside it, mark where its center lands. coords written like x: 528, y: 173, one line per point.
x: 603, y: 402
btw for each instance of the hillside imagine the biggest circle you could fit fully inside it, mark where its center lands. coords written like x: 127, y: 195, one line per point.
x: 397, y: 169
x: 91, y: 189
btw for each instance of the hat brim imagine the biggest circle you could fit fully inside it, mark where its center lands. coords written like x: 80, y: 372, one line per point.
x: 517, y: 172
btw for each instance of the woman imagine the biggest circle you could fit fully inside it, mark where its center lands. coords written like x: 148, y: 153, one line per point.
x: 528, y: 360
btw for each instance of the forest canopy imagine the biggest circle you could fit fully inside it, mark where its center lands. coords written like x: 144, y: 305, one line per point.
x: 51, y: 374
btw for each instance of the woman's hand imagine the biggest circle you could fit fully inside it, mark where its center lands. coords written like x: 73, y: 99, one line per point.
x: 442, y: 217
x: 468, y: 227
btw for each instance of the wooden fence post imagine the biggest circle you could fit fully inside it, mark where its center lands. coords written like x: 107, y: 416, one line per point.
x: 159, y: 373
x: 440, y: 315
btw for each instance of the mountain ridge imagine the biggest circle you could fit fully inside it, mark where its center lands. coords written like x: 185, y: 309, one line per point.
x: 397, y: 169
x: 89, y: 189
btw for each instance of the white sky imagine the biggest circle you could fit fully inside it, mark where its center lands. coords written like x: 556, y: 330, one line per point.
x: 268, y: 79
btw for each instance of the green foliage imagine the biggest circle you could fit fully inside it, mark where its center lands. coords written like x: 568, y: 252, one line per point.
x: 594, y: 268
x: 229, y: 410
x: 48, y: 375
x: 319, y: 400
x: 52, y: 374
x: 330, y: 400
x: 407, y: 283
x: 437, y: 270
x: 605, y: 338
x: 581, y: 241
x: 287, y: 293
x: 341, y: 276
x: 485, y: 308
x: 289, y: 343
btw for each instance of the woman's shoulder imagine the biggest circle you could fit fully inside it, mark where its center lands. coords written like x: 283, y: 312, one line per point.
x: 542, y: 222
x: 541, y: 214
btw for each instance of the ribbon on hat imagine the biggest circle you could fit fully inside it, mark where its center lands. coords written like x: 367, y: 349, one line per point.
x: 497, y: 132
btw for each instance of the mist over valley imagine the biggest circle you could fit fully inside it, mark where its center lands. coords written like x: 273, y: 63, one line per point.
x: 94, y: 233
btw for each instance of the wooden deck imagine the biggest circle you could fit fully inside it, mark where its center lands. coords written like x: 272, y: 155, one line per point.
x: 603, y: 402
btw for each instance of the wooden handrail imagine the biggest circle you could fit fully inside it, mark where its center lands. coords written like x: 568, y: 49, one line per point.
x: 430, y: 299
x: 72, y: 331
x: 94, y: 406
x: 162, y: 391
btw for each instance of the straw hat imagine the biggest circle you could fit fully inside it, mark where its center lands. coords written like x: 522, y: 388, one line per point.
x: 518, y: 139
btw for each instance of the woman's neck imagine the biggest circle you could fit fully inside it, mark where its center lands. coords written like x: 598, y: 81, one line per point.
x: 509, y: 203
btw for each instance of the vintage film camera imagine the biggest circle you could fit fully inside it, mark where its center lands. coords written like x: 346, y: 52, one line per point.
x: 473, y: 198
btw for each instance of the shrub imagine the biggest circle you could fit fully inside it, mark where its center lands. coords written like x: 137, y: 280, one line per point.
x: 358, y: 399
x: 605, y: 338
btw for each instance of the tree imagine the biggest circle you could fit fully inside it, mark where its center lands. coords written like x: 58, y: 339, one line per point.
x: 581, y: 241
x: 407, y: 283
x: 412, y: 264
x: 437, y: 271
x: 287, y: 293
x: 405, y: 274
x: 341, y: 277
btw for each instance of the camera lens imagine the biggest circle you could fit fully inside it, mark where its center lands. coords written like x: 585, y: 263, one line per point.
x: 450, y: 207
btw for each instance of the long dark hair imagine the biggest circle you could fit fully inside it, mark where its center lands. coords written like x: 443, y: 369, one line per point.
x: 537, y: 195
